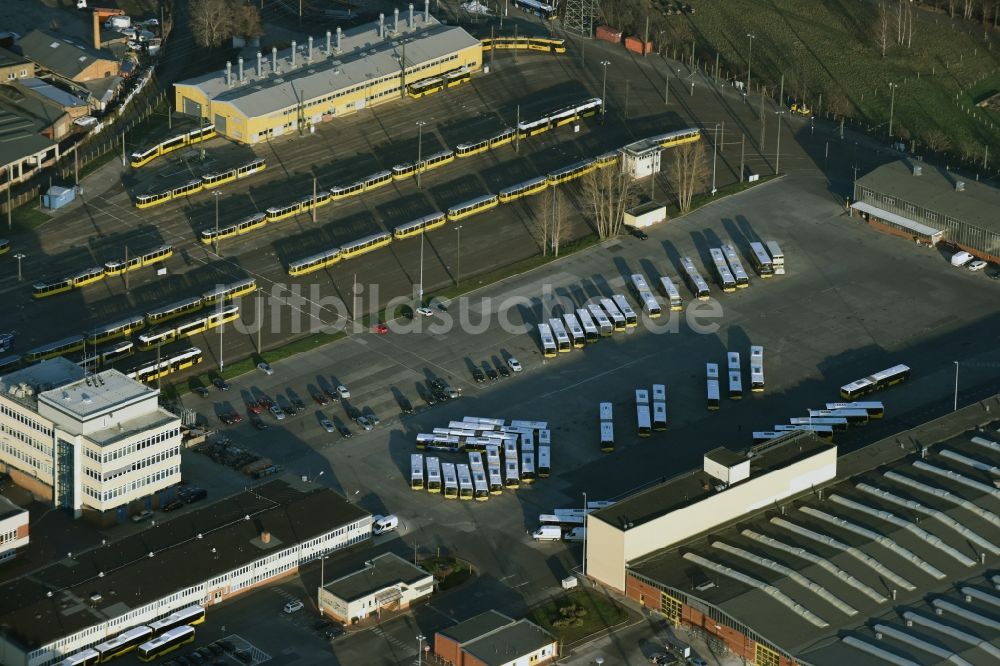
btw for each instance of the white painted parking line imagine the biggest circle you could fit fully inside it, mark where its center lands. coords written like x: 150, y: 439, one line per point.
x: 243, y: 646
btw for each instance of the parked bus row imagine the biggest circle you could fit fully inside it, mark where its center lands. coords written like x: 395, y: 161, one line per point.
x: 159, y: 254
x: 734, y: 377
x: 836, y: 417
x: 207, y: 182
x: 728, y: 269
x: 651, y: 415
x: 151, y: 641
x: 514, y: 454
x: 141, y: 158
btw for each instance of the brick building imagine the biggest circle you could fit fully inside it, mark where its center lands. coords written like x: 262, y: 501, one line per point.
x: 928, y: 204
x: 493, y: 639
x: 67, y: 59
x: 14, y: 66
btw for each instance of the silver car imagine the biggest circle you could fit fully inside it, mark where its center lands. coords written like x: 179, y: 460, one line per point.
x: 364, y: 422
x: 327, y: 425
x: 277, y: 413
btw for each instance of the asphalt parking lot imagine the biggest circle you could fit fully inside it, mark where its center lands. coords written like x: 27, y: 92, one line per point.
x: 853, y: 302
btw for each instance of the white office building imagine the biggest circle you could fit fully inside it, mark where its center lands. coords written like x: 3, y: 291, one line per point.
x: 95, y: 443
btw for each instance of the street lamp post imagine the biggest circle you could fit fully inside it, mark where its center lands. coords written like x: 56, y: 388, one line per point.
x: 749, y: 56
x: 955, y: 407
x: 715, y: 153
x: 777, y: 150
x: 604, y: 86
x: 216, y: 193
x: 19, y: 256
x: 420, y: 140
x: 420, y: 648
x: 260, y: 317
x: 892, y: 104
x: 420, y: 289
x: 583, y: 561
x: 458, y: 268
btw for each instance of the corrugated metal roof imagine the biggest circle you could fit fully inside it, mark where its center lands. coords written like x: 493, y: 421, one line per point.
x: 363, y: 57
x: 934, y: 189
x: 57, y: 54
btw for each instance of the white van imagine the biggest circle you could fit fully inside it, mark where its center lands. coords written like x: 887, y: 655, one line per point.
x: 383, y: 524
x: 547, y: 533
x: 960, y: 258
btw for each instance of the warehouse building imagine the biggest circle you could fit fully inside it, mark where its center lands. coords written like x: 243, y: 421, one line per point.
x: 493, y: 639
x: 929, y: 205
x: 97, y: 444
x: 386, y: 583
x: 66, y: 58
x: 23, y: 150
x: 893, y: 562
x: 677, y: 509
x: 13, y: 529
x: 204, y: 557
x: 312, y: 83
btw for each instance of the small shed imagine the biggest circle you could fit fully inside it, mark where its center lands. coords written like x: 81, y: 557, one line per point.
x: 57, y: 197
x: 646, y: 215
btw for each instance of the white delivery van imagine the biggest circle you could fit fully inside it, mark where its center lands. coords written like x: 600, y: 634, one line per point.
x: 547, y: 533
x: 960, y: 258
x: 383, y: 524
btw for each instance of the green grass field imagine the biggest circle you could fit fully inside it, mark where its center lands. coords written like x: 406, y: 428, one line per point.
x: 830, y: 49
x: 578, y: 614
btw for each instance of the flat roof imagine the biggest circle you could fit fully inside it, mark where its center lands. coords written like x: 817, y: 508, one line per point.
x: 726, y: 457
x: 94, y: 394
x: 188, y: 550
x: 686, y: 489
x: 38, y: 377
x: 889, y: 216
x: 509, y: 643
x: 8, y: 508
x: 363, y: 57
x: 46, y: 90
x: 815, y: 575
x: 647, y: 207
x: 934, y: 189
x: 476, y: 626
x: 380, y: 572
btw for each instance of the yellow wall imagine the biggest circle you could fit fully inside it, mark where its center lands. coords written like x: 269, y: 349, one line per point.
x: 245, y: 129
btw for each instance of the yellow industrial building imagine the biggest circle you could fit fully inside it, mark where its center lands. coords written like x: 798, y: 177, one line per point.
x: 312, y: 83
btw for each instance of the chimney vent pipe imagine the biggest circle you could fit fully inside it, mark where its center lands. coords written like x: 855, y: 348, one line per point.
x: 239, y: 63
x: 229, y: 73
x: 409, y: 22
x: 294, y: 48
x: 260, y: 66
x: 274, y: 59
x: 328, y: 33
x: 395, y: 20
x: 381, y: 25
x: 310, y: 51
x: 338, y: 39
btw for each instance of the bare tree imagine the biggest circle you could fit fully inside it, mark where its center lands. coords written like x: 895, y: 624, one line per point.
x: 560, y: 230
x: 909, y: 18
x: 951, y: 8
x: 607, y: 194
x: 211, y: 22
x: 542, y: 224
x: 900, y: 19
x: 967, y: 8
x: 881, y: 27
x: 688, y: 174
x: 937, y: 140
x: 246, y: 20
x: 837, y: 101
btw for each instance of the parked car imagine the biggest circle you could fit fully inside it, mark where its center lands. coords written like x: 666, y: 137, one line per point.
x: 220, y: 384
x: 294, y: 606
x: 977, y: 265
x: 255, y: 407
x: 343, y: 393
x: 145, y: 514
x: 478, y: 375
x: 381, y: 329
x: 345, y: 432
x: 405, y: 406
x: 382, y: 524
x: 171, y: 506
x: 265, y: 368
x: 201, y: 391
x: 503, y: 370
x: 364, y: 423
x: 636, y: 231
x: 321, y: 399
x: 372, y: 418
x: 332, y: 394
x: 514, y: 364
x: 192, y: 495
x: 961, y: 258
x: 299, y: 405
x: 258, y: 422
x: 327, y: 425
x: 277, y: 413
x: 993, y: 272
x: 491, y: 374
x: 424, y: 312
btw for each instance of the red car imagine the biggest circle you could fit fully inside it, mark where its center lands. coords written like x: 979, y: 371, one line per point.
x: 254, y: 407
x: 381, y: 329
x: 235, y: 417
x: 264, y: 403
x: 321, y: 399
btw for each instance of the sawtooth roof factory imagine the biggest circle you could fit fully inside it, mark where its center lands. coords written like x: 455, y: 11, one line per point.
x: 306, y: 84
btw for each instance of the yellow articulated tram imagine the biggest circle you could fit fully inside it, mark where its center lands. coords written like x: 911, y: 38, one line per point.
x: 141, y: 158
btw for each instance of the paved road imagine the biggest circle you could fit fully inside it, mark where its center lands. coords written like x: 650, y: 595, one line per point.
x: 853, y: 301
